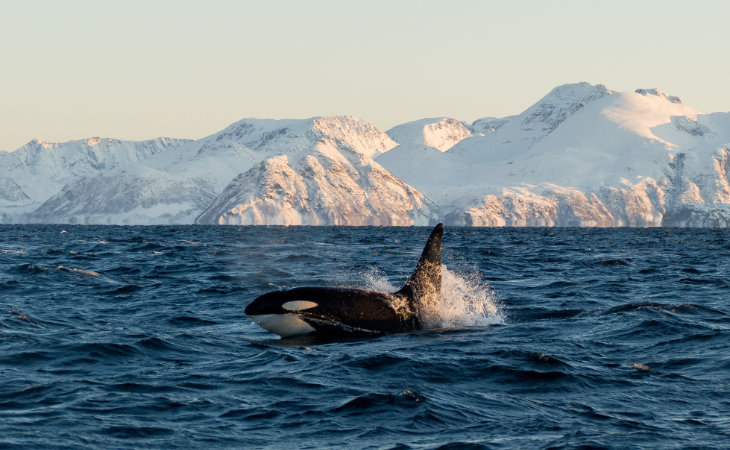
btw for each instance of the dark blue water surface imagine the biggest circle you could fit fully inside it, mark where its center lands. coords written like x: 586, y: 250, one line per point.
x: 136, y: 337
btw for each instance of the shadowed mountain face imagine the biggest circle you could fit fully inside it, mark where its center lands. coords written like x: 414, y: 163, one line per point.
x: 581, y: 156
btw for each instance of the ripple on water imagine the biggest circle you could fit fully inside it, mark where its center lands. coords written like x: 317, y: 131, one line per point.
x: 103, y: 349
x: 129, y: 432
x: 374, y: 402
x: 190, y: 321
x: 634, y: 306
x: 126, y: 289
x: 377, y: 362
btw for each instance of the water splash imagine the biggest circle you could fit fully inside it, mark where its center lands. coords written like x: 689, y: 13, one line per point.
x: 467, y: 299
x: 376, y: 279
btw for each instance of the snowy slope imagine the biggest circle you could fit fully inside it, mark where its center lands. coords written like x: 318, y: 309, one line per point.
x: 516, y: 134
x: 329, y: 186
x: 125, y: 198
x: 38, y: 170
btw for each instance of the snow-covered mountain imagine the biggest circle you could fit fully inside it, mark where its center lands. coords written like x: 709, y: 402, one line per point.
x: 319, y: 188
x: 327, y: 177
x: 233, y: 175
x: 33, y: 173
x: 581, y: 156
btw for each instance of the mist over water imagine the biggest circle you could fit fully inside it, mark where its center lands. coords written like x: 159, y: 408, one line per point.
x: 131, y: 337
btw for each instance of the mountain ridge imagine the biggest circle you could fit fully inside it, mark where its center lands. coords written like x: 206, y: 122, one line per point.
x: 583, y: 155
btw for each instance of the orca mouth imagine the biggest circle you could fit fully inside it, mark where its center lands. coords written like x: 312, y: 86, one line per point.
x: 336, y: 328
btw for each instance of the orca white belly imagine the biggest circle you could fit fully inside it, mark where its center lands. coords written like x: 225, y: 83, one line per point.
x: 285, y: 325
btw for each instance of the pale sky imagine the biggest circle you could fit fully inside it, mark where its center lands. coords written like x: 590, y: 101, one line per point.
x: 132, y: 69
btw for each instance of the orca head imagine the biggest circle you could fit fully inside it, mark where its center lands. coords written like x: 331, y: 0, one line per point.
x: 277, y: 312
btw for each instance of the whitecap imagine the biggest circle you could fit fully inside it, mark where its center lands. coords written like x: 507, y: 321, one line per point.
x: 82, y: 271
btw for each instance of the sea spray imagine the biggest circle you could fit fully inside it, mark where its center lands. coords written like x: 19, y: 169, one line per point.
x: 467, y: 299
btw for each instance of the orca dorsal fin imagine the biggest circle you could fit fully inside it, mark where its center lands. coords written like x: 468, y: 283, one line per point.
x: 425, y: 283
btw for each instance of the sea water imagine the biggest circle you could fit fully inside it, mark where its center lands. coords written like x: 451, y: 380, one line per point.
x: 128, y: 337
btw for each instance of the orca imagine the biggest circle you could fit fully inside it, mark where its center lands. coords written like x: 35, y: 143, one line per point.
x: 340, y: 312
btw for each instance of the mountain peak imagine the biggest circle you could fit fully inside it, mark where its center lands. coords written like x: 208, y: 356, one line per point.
x: 563, y: 101
x: 93, y: 141
x: 659, y: 93
x: 441, y: 133
x: 40, y: 143
x: 361, y: 136
x: 581, y: 90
